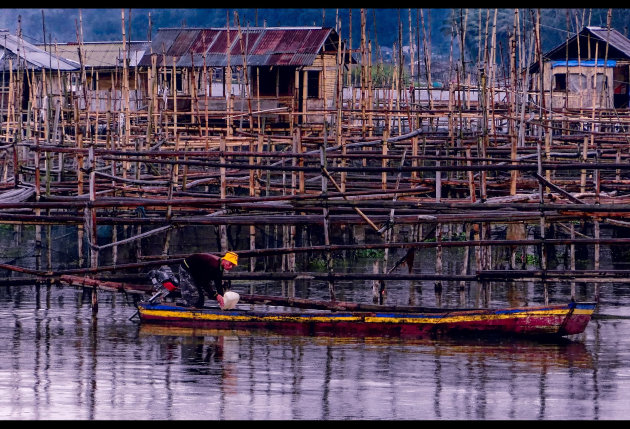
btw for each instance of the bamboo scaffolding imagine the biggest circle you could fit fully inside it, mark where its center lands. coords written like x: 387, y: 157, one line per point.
x: 397, y: 161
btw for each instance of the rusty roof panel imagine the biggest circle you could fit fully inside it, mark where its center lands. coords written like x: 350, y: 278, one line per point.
x: 268, y: 42
x: 182, y: 43
x: 163, y: 40
x: 160, y: 45
x: 302, y: 59
x: 314, y: 41
x: 204, y: 39
x: 249, y: 42
x: 290, y: 41
x: 219, y: 45
x: 264, y: 46
x: 282, y: 59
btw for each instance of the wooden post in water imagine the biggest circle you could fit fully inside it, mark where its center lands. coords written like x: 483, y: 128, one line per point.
x: 572, y: 257
x: 466, y: 257
x: 438, y: 178
x: 223, y: 193
x: 252, y: 193
x: 325, y: 213
x: 172, y: 185
x: 438, y: 256
x: 596, y: 254
x: 471, y: 177
x: 80, y: 227
x: 38, y: 228
x: 92, y: 223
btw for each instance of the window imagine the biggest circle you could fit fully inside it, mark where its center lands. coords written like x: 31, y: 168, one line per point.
x: 576, y: 82
x: 266, y: 80
x: 203, y: 79
x: 166, y: 80
x: 4, y: 82
x: 600, y: 81
x: 91, y: 82
x: 312, y: 77
x: 275, y: 81
x: 560, y: 82
x: 210, y: 83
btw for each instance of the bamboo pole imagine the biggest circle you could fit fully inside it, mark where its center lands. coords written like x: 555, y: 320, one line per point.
x: 325, y: 214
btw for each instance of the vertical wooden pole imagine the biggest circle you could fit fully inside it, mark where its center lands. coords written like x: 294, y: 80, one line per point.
x: 80, y: 227
x: 414, y: 157
x: 438, y: 256
x: 92, y: 224
x: 325, y: 213
x: 466, y: 257
x: 511, y: 114
x: 438, y: 178
x: 300, y: 150
x: 228, y: 81
x: 584, y: 160
x: 252, y: 193
x: 572, y: 257
x: 471, y: 177
x: 223, y: 192
x: 174, y: 93
x: 38, y: 228
x: 384, y: 162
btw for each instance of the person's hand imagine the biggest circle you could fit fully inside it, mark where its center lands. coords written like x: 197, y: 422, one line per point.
x: 220, y: 301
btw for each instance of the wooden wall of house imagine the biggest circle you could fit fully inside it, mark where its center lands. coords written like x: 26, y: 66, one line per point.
x: 328, y: 77
x: 587, y: 97
x: 111, y: 79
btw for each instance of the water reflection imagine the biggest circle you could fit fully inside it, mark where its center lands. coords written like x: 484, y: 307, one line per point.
x: 57, y: 361
x: 357, y: 372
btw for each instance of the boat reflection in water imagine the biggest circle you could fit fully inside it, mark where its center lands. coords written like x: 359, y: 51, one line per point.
x: 268, y: 375
x: 548, y: 352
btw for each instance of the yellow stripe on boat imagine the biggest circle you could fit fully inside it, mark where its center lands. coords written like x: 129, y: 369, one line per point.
x: 231, y: 317
x: 468, y: 318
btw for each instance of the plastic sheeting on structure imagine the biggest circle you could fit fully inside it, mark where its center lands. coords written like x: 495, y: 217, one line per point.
x: 584, y: 63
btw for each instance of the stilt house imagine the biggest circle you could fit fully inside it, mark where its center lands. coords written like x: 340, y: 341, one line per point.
x: 29, y: 76
x: 242, y: 73
x: 102, y: 64
x: 589, y: 70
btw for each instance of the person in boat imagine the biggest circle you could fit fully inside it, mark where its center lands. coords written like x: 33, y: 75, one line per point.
x: 202, y: 273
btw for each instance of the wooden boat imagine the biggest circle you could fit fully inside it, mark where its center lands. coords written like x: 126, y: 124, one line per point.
x: 348, y: 319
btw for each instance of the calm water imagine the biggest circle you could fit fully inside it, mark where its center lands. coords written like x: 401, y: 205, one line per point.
x: 58, y: 362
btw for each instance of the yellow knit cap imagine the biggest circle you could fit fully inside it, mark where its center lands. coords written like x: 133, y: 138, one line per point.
x: 231, y: 257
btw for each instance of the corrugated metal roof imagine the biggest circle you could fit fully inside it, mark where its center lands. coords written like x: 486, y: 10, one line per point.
x: 615, y: 38
x: 204, y: 38
x: 36, y: 58
x: 103, y: 54
x: 182, y: 44
x: 247, y: 44
x: 159, y: 45
x: 295, y: 46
